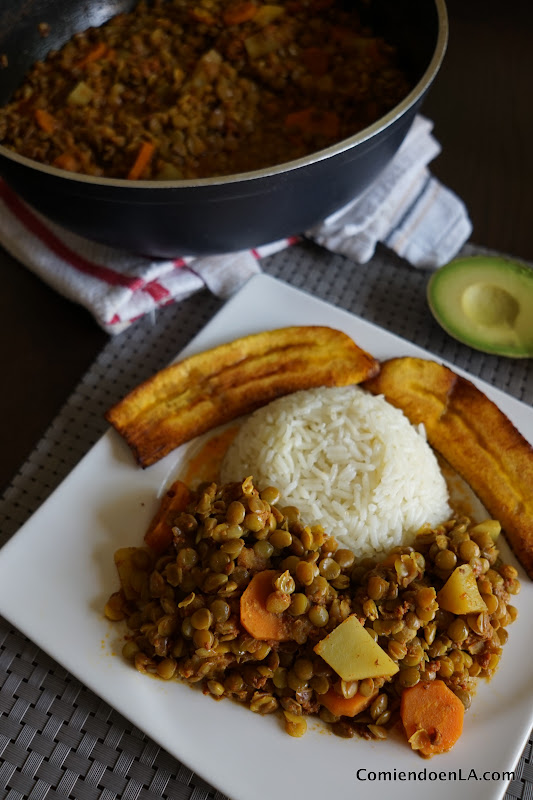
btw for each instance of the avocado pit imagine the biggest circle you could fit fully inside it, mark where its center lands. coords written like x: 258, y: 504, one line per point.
x: 489, y: 305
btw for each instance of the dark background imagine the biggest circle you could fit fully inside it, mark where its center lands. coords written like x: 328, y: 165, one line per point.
x: 482, y: 108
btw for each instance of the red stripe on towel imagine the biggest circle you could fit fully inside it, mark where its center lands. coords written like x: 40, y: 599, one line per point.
x: 110, y: 276
x: 156, y: 291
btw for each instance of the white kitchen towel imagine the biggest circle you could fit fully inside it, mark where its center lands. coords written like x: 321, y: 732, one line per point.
x: 406, y: 208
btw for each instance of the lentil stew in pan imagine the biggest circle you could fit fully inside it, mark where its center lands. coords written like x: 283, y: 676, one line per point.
x: 237, y: 595
x: 188, y: 89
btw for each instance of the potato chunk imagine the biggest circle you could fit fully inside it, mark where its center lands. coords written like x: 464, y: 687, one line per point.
x: 490, y: 526
x: 354, y: 655
x: 125, y: 569
x: 460, y: 594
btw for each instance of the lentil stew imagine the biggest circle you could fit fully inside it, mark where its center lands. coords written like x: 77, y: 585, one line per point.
x: 183, y: 611
x: 184, y: 89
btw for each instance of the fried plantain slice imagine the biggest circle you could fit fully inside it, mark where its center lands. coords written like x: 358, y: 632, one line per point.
x: 200, y: 392
x: 473, y: 435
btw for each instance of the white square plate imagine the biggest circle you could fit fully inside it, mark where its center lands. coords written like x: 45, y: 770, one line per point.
x: 57, y: 572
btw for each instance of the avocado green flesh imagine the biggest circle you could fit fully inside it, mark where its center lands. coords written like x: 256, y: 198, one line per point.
x: 485, y: 302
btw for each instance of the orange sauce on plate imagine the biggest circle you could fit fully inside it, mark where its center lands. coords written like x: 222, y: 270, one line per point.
x: 205, y: 464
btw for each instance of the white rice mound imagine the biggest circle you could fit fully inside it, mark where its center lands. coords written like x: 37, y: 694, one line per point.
x: 349, y: 461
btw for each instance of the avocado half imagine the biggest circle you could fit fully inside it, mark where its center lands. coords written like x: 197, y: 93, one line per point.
x: 485, y: 302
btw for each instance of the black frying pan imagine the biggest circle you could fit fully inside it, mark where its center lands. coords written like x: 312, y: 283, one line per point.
x: 173, y: 218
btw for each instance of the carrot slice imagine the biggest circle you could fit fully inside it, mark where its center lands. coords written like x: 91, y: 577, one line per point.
x: 260, y: 623
x: 46, y: 121
x: 93, y: 55
x: 432, y: 717
x: 314, y: 121
x: 159, y: 533
x: 144, y: 156
x: 238, y: 13
x: 299, y: 119
x: 346, y: 706
x: 67, y: 161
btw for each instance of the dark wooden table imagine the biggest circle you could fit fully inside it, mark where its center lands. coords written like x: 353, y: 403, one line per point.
x: 481, y: 105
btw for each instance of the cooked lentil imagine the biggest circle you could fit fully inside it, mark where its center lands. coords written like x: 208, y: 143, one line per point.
x: 183, y: 89
x: 184, y: 621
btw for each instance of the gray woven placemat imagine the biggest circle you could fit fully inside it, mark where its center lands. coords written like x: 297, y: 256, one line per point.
x: 58, y: 739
